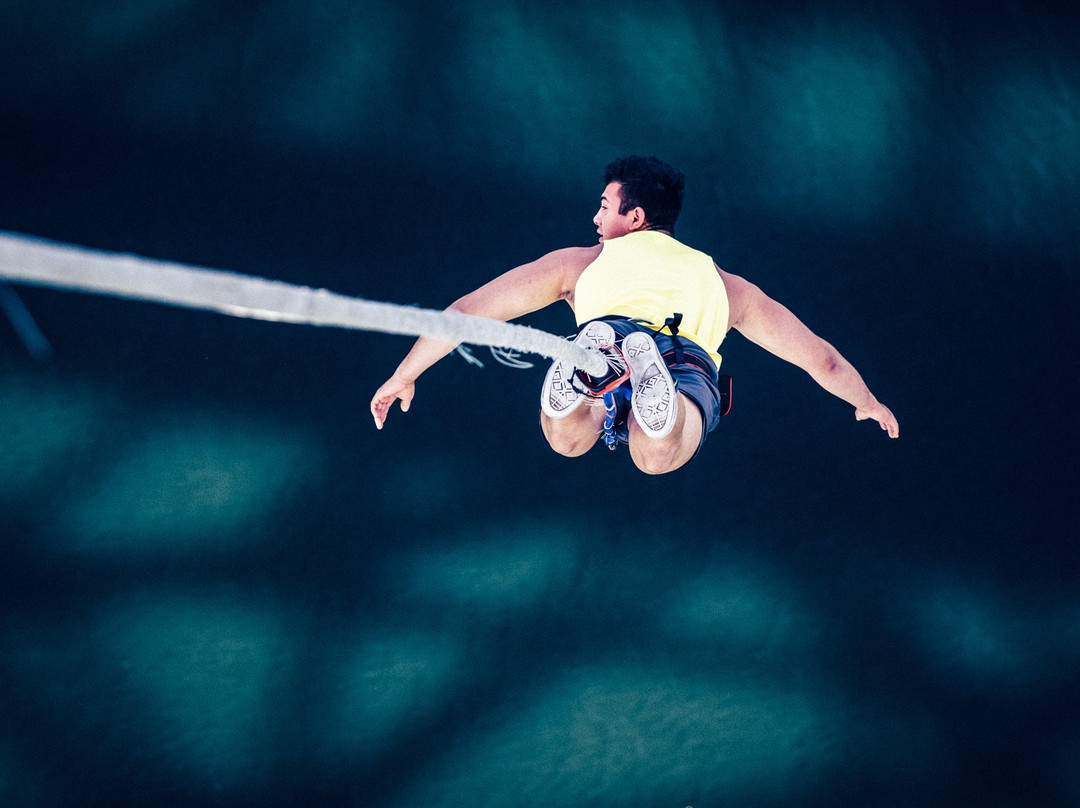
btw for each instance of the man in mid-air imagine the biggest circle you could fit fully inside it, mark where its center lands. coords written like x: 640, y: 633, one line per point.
x: 659, y: 311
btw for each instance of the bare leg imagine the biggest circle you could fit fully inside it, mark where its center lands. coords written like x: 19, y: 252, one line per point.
x: 575, y: 434
x: 661, y: 455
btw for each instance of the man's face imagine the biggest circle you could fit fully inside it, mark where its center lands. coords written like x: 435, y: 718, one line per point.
x: 609, y: 222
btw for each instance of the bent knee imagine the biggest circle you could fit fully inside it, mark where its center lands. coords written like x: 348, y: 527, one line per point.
x: 661, y: 455
x: 657, y: 460
x: 569, y: 440
x: 570, y: 447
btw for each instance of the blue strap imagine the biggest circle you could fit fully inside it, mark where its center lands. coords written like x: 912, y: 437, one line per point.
x: 611, y: 411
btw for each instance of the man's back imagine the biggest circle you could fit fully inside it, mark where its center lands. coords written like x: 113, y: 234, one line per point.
x: 642, y: 197
x: 649, y: 276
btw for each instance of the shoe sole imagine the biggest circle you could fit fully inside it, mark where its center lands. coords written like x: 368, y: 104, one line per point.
x: 558, y: 396
x: 653, y: 401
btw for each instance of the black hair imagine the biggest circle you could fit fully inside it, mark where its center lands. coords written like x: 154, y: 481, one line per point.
x: 651, y: 184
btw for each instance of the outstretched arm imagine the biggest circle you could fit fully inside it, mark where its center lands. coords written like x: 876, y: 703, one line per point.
x: 769, y: 324
x: 513, y: 294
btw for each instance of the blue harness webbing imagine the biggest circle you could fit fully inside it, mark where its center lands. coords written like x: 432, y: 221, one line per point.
x: 611, y: 415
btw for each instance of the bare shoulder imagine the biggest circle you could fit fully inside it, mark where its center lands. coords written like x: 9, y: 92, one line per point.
x: 529, y: 287
x: 573, y: 258
x: 741, y: 295
x: 770, y: 324
x: 569, y: 263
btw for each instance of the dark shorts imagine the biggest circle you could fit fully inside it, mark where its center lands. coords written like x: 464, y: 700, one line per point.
x: 692, y: 369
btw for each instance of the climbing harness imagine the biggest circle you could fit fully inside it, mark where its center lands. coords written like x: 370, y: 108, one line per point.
x: 611, y: 414
x: 615, y: 389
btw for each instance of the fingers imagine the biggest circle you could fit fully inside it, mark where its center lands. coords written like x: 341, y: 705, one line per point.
x: 885, y: 419
x: 380, y: 407
x: 889, y: 424
x: 393, y: 390
x: 378, y: 412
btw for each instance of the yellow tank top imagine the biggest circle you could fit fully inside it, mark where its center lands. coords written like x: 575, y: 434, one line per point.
x: 650, y: 276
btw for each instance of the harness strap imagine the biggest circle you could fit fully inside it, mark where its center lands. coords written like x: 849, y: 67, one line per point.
x: 618, y: 372
x: 680, y: 357
x: 725, y: 386
x: 672, y: 325
x: 674, y: 356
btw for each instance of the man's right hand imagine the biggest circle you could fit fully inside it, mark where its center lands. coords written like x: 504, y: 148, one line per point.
x: 883, y: 415
x: 393, y: 389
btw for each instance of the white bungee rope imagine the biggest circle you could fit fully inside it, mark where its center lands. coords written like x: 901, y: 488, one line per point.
x: 39, y: 262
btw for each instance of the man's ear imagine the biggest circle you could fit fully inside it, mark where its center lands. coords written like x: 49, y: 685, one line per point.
x: 637, y: 218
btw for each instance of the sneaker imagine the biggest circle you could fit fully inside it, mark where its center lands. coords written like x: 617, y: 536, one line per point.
x: 559, y: 397
x: 653, y: 401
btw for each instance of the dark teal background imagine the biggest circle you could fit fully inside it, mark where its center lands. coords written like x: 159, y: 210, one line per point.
x: 222, y: 586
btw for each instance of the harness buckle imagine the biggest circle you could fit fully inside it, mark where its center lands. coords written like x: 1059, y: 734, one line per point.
x: 595, y: 387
